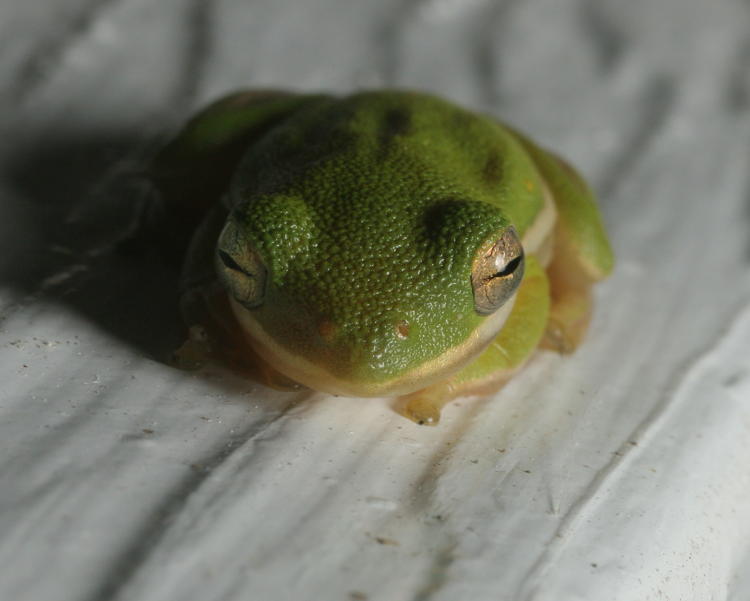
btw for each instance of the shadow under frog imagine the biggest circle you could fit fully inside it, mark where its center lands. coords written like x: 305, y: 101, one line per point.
x: 91, y: 242
x: 80, y: 200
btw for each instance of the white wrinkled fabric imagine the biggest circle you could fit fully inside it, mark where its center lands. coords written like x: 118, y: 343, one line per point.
x: 620, y: 473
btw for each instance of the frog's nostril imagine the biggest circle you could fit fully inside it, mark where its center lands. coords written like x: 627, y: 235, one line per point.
x: 402, y: 329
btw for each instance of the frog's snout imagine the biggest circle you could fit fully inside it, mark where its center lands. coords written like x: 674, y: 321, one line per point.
x: 328, y: 330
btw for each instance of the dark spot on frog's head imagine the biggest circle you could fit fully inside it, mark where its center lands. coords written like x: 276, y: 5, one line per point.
x: 436, y: 216
x: 443, y: 221
x: 294, y: 154
x: 396, y: 122
x: 492, y: 172
x: 453, y: 227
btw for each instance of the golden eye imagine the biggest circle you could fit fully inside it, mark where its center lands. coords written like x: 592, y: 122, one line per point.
x: 240, y: 268
x: 497, y: 272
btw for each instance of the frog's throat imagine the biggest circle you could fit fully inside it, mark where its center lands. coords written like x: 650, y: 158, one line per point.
x: 537, y: 240
x: 319, y: 378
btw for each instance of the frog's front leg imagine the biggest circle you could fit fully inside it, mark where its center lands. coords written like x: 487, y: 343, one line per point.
x: 505, y: 355
x: 213, y: 334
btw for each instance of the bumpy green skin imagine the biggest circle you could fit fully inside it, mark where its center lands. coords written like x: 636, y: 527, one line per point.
x: 368, y: 212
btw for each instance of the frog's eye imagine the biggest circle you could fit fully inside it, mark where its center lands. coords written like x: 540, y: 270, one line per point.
x: 497, y: 272
x: 240, y: 269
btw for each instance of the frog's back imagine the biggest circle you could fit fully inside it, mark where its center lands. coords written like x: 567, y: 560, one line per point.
x: 388, y: 142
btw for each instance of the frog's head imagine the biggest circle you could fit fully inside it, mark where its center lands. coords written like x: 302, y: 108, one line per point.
x: 371, y: 248
x: 387, y: 304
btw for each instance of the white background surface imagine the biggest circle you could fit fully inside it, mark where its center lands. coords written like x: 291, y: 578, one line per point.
x: 620, y: 473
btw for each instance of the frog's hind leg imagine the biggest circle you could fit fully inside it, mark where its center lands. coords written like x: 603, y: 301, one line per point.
x: 582, y: 254
x: 504, y: 356
x: 423, y: 406
x: 571, y: 296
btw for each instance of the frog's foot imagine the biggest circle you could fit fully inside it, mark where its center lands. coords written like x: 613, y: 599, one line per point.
x: 214, y: 337
x: 205, y: 336
x: 195, y: 352
x: 504, y: 356
x: 423, y: 407
x: 200, y: 349
x: 569, y: 319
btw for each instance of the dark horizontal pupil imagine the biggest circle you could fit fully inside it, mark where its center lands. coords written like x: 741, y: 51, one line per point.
x: 509, y: 268
x: 230, y: 263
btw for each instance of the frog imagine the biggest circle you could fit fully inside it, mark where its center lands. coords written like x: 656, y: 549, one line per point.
x: 384, y: 243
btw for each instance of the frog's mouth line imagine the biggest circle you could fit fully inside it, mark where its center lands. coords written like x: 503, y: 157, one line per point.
x: 317, y: 377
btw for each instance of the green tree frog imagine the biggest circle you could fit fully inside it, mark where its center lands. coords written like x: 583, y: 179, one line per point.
x: 386, y: 243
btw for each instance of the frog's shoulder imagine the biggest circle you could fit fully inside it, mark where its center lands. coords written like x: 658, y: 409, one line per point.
x: 579, y: 218
x: 193, y: 170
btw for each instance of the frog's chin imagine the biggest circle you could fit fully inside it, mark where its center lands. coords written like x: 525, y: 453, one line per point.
x: 318, y: 377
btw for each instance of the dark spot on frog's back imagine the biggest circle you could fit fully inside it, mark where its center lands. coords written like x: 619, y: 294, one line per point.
x: 324, y: 140
x: 462, y: 119
x: 492, y: 172
x: 293, y: 157
x: 396, y: 122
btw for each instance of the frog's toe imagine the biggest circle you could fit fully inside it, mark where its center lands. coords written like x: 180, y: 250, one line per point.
x: 195, y: 352
x: 556, y: 339
x: 565, y: 333
x: 423, y: 410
